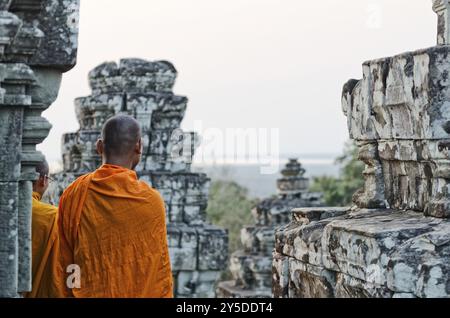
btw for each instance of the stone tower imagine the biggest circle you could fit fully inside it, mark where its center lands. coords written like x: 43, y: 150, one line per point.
x: 38, y: 43
x: 395, y: 241
x: 252, y: 267
x: 143, y: 89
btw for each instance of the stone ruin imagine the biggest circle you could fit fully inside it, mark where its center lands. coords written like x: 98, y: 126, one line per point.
x: 395, y: 242
x: 38, y: 42
x: 142, y: 89
x: 251, y: 267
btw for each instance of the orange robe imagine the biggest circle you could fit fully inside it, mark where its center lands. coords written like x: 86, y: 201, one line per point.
x: 113, y: 227
x: 44, y: 230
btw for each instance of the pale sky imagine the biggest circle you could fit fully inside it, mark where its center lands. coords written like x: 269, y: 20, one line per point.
x: 248, y: 63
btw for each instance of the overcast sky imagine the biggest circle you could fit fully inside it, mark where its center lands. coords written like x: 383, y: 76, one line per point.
x: 248, y: 63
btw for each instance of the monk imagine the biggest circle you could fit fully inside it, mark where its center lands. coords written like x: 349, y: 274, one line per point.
x: 112, y: 226
x: 44, y: 237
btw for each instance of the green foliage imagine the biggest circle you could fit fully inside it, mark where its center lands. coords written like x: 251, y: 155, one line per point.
x: 230, y: 207
x: 339, y: 191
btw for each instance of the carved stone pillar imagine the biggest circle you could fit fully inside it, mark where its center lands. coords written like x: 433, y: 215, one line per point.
x: 38, y: 42
x: 442, y: 9
x: 372, y: 195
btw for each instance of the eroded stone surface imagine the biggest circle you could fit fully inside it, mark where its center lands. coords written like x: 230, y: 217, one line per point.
x: 362, y: 253
x: 396, y: 241
x: 420, y: 266
x: 398, y: 114
x: 442, y: 9
x: 38, y: 42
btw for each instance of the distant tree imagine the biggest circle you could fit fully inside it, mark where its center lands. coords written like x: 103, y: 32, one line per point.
x: 339, y: 191
x: 230, y: 207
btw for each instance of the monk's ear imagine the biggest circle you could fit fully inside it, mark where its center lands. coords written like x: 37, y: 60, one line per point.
x: 41, y: 181
x: 99, y: 146
x: 139, y: 147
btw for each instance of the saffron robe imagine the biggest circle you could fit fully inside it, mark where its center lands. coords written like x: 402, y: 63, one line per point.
x: 44, y: 231
x: 113, y: 227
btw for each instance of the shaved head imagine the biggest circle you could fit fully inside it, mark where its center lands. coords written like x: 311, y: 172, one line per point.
x: 120, y: 143
x: 120, y: 135
x: 41, y: 184
x: 42, y: 168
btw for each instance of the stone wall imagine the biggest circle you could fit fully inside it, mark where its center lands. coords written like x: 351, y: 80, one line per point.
x: 143, y: 89
x: 251, y: 267
x: 395, y: 241
x: 38, y: 42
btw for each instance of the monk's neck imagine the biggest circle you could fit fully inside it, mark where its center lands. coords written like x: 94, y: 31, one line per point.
x: 117, y: 162
x: 39, y: 191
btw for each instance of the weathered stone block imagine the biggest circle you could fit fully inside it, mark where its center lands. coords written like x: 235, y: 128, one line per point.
x: 9, y: 194
x: 442, y: 9
x: 302, y: 239
x: 419, y: 266
x: 11, y: 128
x: 59, y: 22
x: 258, y: 239
x: 350, y: 287
x: 360, y: 246
x: 228, y: 289
x: 183, y: 246
x: 309, y: 281
x: 213, y: 247
x: 200, y: 284
x: 280, y: 276
x: 24, y: 236
x: 308, y: 215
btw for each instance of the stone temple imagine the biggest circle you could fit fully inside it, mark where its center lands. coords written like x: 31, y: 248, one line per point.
x: 38, y: 43
x: 143, y: 89
x: 251, y: 267
x: 395, y: 241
